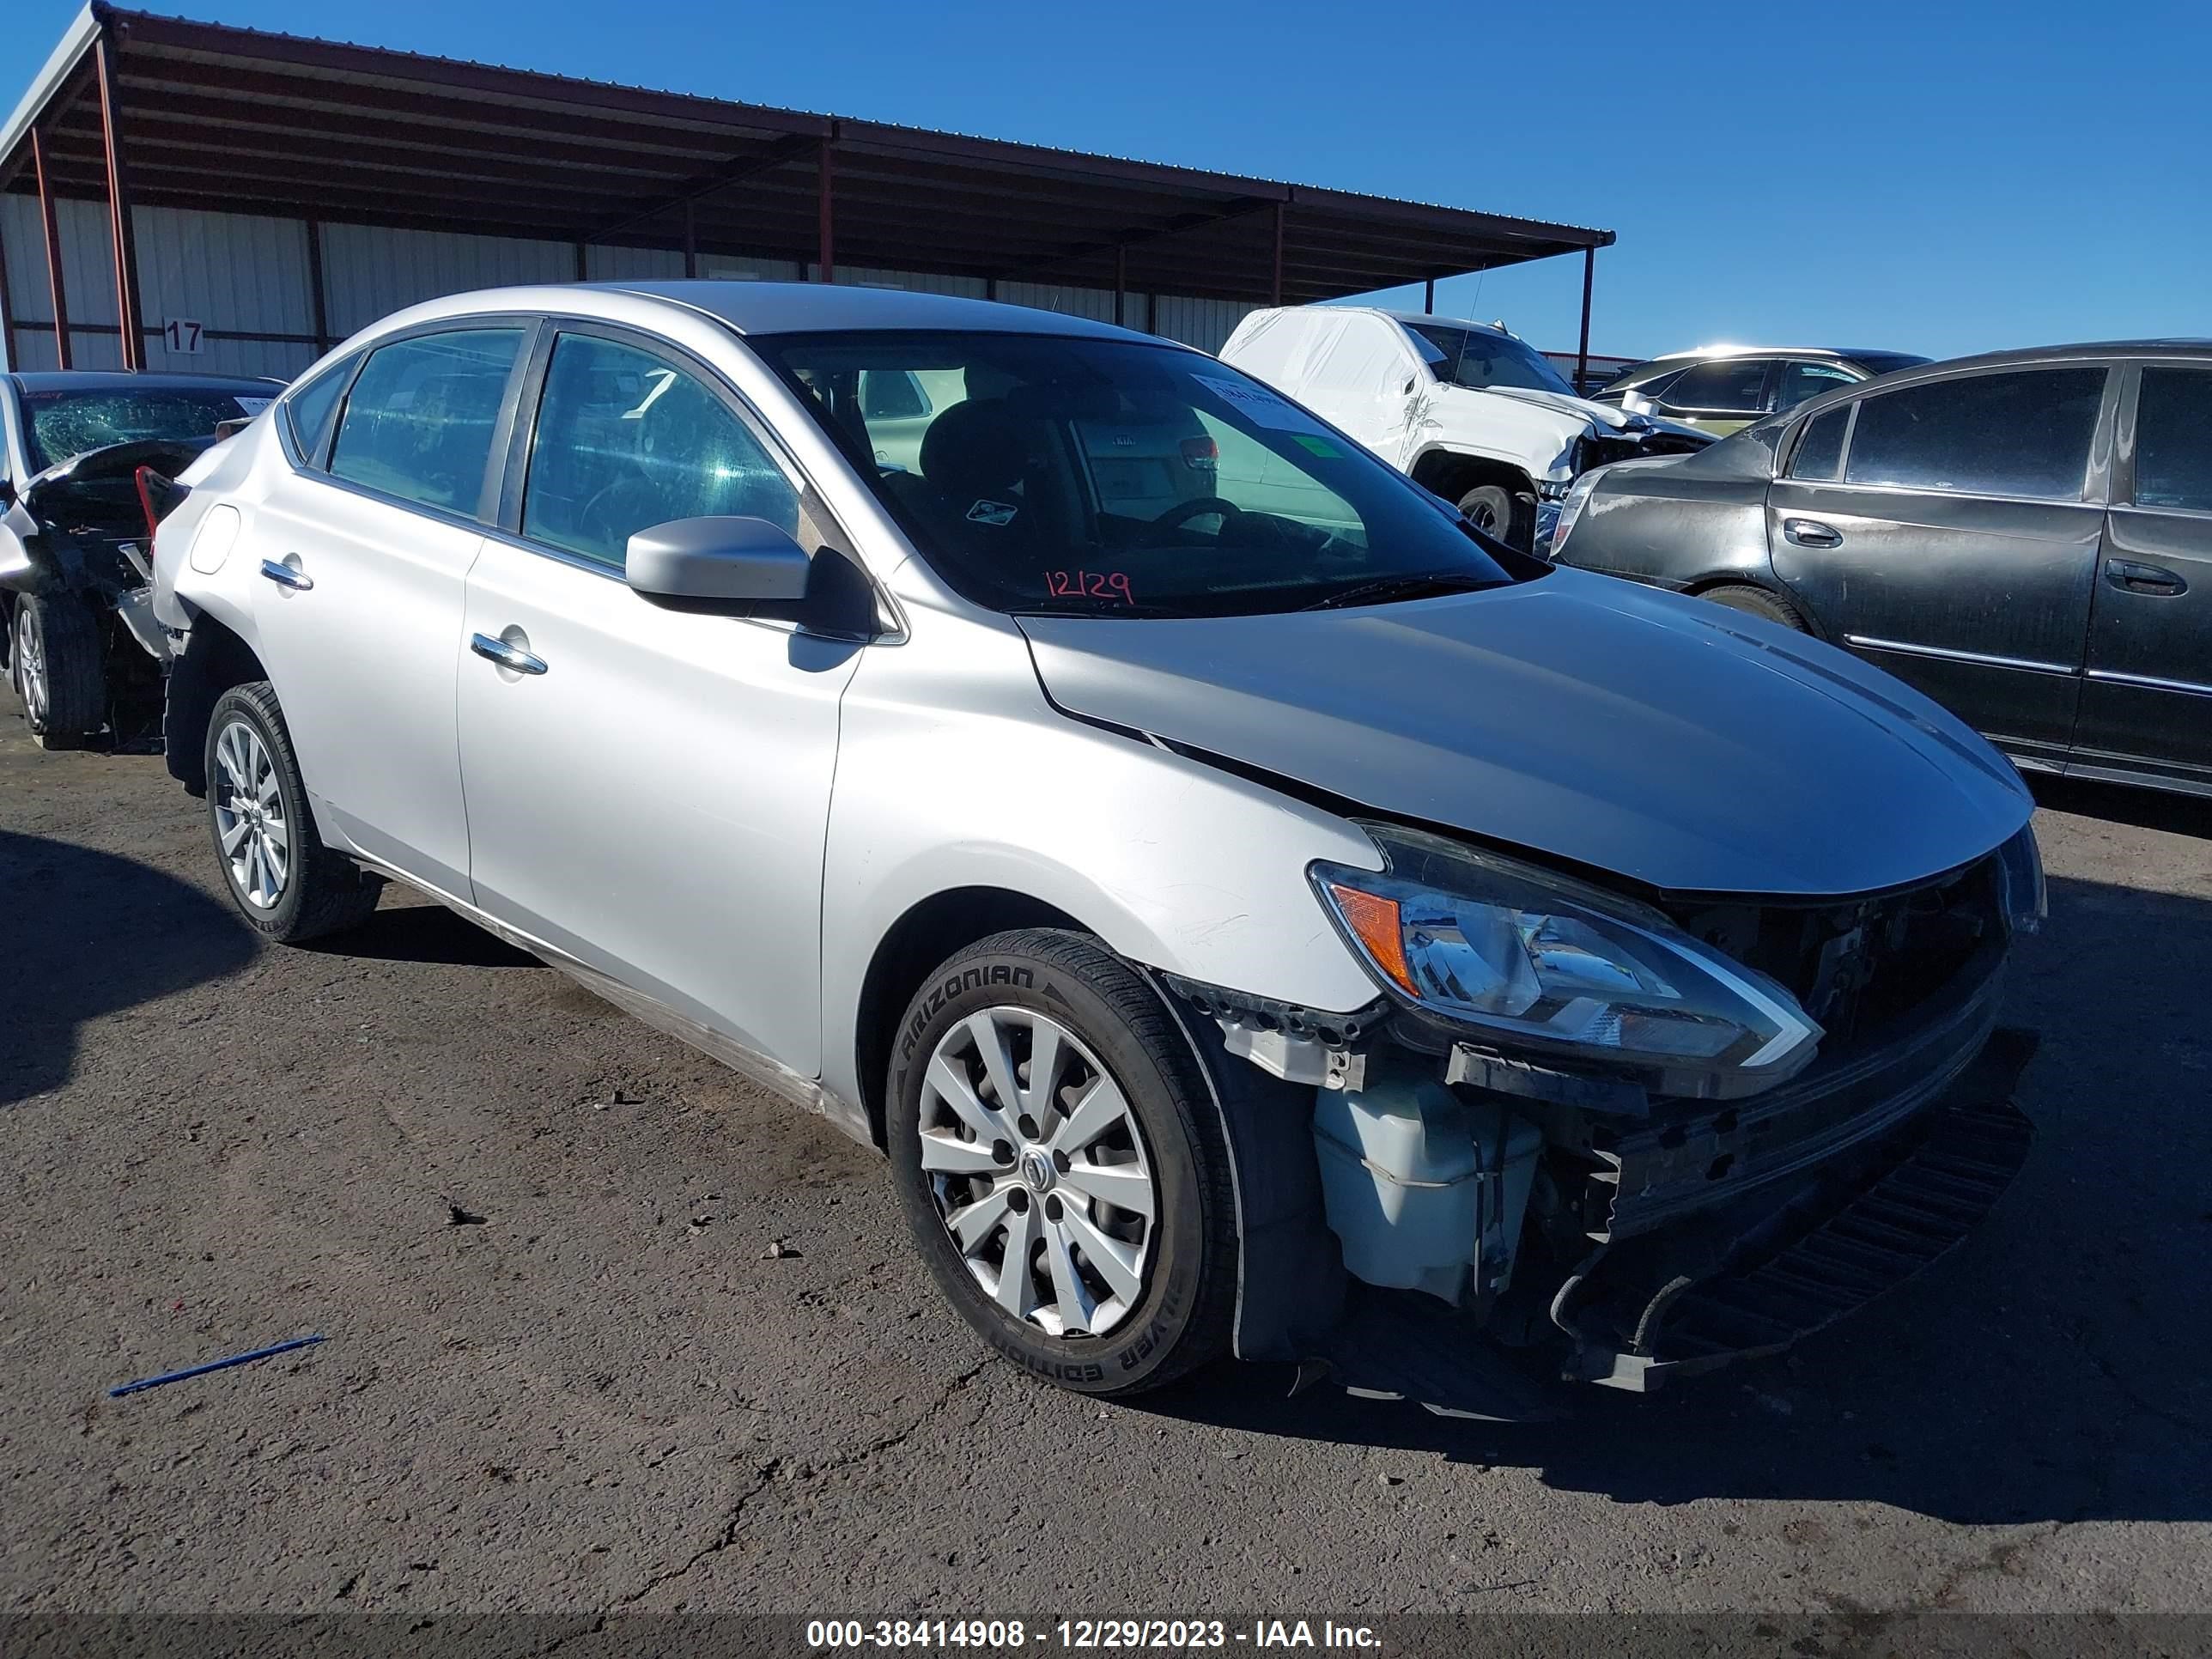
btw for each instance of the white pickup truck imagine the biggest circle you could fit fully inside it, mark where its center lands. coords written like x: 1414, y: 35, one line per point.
x: 1470, y: 411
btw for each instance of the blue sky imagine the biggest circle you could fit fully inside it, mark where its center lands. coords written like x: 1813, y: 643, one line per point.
x: 1938, y: 177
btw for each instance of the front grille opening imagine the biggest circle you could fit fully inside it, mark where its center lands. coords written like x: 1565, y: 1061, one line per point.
x: 1858, y: 966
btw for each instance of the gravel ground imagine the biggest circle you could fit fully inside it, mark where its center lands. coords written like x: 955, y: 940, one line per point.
x: 568, y: 1373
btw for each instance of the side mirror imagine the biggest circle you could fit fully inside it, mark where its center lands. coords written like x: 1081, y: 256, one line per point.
x: 1635, y: 403
x: 711, y: 563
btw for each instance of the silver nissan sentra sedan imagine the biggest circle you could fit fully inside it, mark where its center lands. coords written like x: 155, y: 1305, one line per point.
x: 1250, y: 908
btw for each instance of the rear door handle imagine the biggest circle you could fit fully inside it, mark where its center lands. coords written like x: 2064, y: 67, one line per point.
x: 2152, y: 579
x: 507, y: 656
x: 287, y: 575
x: 1811, y: 532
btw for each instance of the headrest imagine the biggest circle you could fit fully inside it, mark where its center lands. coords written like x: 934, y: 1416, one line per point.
x: 974, y: 450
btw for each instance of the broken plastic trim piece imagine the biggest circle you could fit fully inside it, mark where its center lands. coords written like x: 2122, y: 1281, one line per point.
x: 1237, y: 1008
x: 1611, y: 1096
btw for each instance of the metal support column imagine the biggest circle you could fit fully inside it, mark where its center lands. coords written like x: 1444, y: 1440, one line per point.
x: 318, y: 295
x: 56, y: 297
x: 118, y: 209
x: 1275, y: 286
x: 1428, y: 298
x: 828, y: 259
x: 6, y: 316
x: 1582, y: 352
x: 1121, y: 280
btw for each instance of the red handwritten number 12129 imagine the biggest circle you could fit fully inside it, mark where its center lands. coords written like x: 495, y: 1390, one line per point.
x: 1089, y: 584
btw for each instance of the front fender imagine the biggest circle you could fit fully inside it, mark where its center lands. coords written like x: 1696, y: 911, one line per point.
x: 968, y: 778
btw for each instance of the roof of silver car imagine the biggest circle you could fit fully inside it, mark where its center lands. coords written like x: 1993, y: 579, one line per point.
x: 806, y: 308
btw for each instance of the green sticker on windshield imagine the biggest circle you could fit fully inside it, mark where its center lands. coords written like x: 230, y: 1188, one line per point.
x: 1321, y: 446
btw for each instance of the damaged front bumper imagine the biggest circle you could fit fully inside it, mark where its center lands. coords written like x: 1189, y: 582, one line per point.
x: 1777, y: 1272
x: 1659, y: 1246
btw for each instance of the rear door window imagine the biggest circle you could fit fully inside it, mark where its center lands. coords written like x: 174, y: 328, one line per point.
x: 308, y: 412
x: 2023, y: 433
x: 1820, y: 450
x: 420, y: 419
x: 1728, y: 385
x: 2173, y: 439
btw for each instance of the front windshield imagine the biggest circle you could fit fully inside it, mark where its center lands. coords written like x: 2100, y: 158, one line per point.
x: 1046, y: 474
x: 1478, y: 357
x: 60, y: 426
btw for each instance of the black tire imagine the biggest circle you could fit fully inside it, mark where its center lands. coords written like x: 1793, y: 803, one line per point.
x: 1758, y: 602
x: 1182, y: 1316
x: 57, y: 641
x: 323, y: 892
x: 1498, y: 512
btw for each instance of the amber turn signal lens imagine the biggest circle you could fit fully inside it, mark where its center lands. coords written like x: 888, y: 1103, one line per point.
x: 1375, y: 921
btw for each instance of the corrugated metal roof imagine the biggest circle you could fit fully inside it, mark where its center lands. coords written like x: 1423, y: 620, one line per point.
x: 246, y: 120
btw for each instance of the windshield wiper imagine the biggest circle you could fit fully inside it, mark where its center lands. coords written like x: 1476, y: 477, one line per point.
x: 1382, y: 589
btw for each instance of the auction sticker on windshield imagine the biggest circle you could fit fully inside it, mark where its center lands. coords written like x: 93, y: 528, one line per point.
x: 1256, y: 402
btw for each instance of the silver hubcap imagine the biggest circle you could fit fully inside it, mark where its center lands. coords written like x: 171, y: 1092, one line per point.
x: 249, y: 817
x: 1038, y: 1170
x: 31, y: 666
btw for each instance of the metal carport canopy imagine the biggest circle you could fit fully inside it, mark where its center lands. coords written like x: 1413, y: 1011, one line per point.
x: 206, y: 116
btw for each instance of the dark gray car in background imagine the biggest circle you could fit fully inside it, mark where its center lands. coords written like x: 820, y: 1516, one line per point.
x: 2027, y: 537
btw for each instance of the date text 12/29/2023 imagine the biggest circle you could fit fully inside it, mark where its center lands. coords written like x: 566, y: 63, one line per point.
x: 1082, y: 1635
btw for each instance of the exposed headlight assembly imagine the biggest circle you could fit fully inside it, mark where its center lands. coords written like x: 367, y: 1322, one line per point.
x: 1578, y: 495
x: 1534, y: 962
x: 2020, y: 868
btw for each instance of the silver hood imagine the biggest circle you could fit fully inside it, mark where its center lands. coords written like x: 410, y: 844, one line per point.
x: 1665, y: 740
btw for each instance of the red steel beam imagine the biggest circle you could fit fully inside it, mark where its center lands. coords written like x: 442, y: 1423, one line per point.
x: 1582, y: 352
x: 53, y: 233
x: 828, y: 205
x: 1275, y: 288
x: 118, y: 207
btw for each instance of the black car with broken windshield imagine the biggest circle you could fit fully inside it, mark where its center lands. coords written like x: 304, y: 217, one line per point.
x: 83, y: 652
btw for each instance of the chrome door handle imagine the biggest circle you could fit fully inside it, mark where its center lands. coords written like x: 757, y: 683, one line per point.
x: 1811, y: 532
x: 2152, y: 579
x: 507, y: 656
x: 286, y: 576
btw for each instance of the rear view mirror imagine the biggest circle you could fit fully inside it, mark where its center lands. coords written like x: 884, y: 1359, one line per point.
x: 715, y: 562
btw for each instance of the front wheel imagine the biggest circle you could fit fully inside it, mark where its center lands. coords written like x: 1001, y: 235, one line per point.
x: 1498, y: 513
x: 285, y: 882
x: 1758, y: 602
x: 1061, y: 1165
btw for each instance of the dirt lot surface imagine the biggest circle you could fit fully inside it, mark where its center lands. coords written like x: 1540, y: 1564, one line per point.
x: 566, y: 1372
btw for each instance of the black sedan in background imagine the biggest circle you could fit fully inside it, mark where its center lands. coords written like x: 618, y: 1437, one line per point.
x: 2026, y: 536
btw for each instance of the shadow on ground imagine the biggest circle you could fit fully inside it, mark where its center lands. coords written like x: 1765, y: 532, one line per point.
x: 2053, y: 1369
x: 424, y: 932
x: 2146, y: 809
x: 89, y: 934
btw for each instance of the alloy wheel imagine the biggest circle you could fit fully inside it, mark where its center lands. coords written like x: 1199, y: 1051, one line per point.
x: 1039, y: 1172
x: 31, y: 666
x: 249, y: 817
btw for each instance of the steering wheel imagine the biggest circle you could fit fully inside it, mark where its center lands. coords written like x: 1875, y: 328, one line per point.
x: 1183, y: 512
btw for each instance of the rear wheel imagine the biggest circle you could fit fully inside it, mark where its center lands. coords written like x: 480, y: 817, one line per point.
x: 1758, y: 602
x: 59, y: 669
x: 286, y: 884
x: 1061, y: 1165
